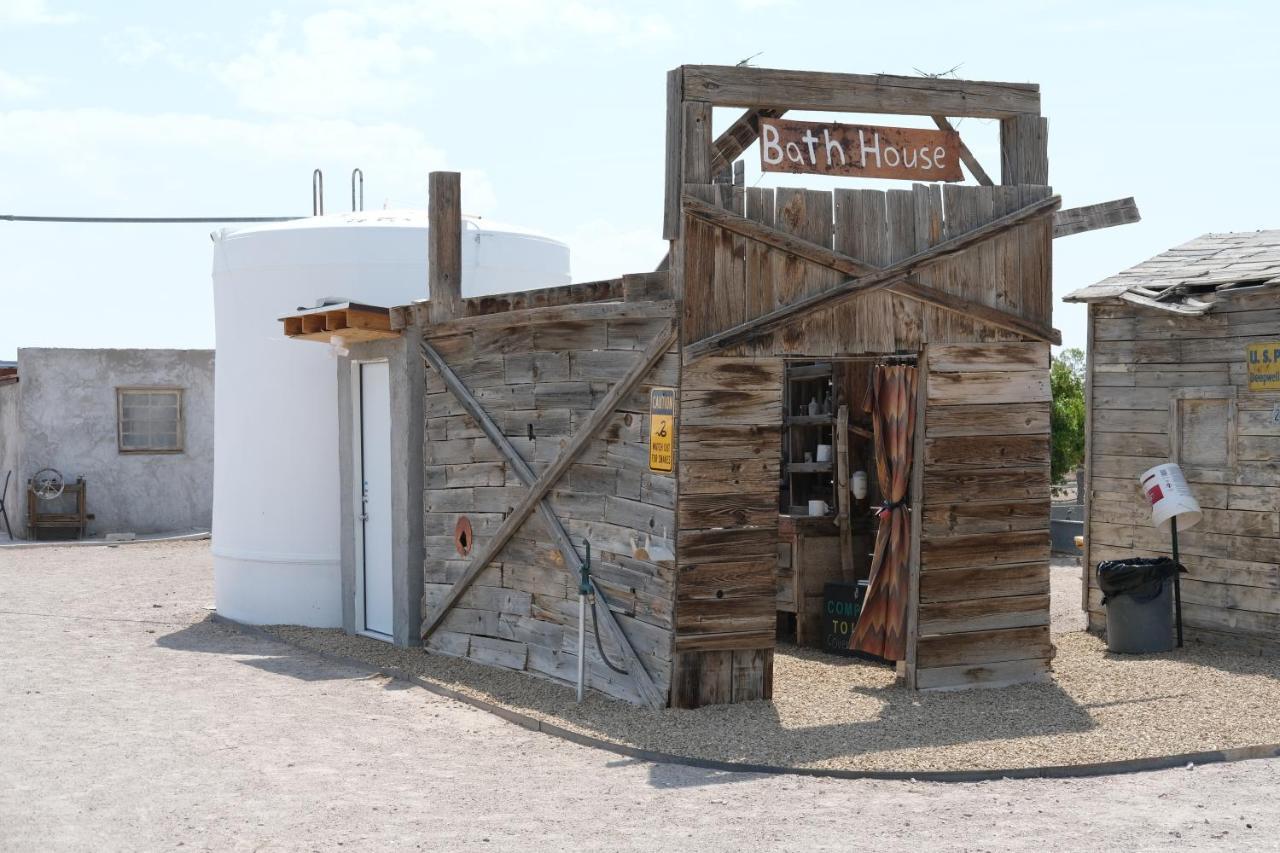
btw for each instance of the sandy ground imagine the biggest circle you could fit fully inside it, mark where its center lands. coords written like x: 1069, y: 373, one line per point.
x: 129, y: 722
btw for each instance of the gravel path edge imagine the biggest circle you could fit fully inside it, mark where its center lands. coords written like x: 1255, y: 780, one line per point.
x: 1057, y: 771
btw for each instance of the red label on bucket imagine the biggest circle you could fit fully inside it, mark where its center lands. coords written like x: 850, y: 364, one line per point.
x: 1155, y: 495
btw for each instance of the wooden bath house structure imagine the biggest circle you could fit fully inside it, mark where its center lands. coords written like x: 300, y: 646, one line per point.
x: 699, y: 435
x: 1184, y: 366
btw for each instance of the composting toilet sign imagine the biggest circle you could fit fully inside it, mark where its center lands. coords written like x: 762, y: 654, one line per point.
x: 662, y: 429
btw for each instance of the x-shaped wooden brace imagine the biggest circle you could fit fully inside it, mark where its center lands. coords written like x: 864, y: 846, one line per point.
x: 536, y: 497
x: 869, y: 278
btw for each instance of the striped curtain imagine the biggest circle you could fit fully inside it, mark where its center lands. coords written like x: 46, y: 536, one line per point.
x: 882, y: 626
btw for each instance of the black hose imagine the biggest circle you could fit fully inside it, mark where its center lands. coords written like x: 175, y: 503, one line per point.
x: 595, y: 629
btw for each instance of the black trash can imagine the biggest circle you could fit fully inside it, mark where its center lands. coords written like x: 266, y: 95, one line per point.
x: 1138, y: 594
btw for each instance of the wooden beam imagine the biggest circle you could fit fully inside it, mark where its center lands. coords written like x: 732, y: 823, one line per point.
x: 867, y: 276
x: 587, y: 311
x: 1077, y: 220
x: 737, y: 86
x: 740, y: 136
x: 727, y: 148
x: 1024, y: 150
x: 444, y: 244
x: 966, y: 156
x: 540, y: 485
x: 675, y: 148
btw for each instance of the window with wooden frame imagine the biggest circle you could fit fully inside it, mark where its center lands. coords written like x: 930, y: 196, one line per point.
x: 149, y: 420
x: 1202, y: 427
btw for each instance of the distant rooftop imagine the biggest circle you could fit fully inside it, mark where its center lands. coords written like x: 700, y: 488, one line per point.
x: 1187, y: 279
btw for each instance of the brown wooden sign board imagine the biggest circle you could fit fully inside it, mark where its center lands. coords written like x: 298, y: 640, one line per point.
x: 858, y: 150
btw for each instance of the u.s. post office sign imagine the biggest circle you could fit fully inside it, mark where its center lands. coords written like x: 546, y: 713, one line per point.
x: 662, y: 429
x: 1263, y: 361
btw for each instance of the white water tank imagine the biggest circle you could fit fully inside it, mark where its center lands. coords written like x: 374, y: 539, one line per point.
x: 276, y: 501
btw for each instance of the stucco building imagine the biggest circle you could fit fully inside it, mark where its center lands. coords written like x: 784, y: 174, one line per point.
x: 135, y: 424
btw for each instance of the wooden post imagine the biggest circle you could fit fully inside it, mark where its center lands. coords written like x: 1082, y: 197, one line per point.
x: 916, y: 493
x: 696, y: 159
x: 675, y: 147
x: 444, y: 245
x: 1024, y: 150
x: 843, y: 499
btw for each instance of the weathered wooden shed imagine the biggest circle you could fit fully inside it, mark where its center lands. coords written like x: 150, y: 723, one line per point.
x: 1184, y: 366
x: 675, y: 421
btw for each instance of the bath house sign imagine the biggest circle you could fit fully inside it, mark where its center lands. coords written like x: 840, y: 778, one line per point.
x: 858, y: 150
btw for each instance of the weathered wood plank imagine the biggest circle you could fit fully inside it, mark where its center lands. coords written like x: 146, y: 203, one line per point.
x: 673, y: 179
x: 981, y: 419
x: 495, y: 652
x: 1014, y: 611
x: 444, y: 244
x: 971, y: 517
x: 985, y: 582
x: 974, y: 358
x: 991, y: 387
x: 999, y: 484
x: 980, y: 549
x: 868, y: 278
x: 740, y: 86
x: 992, y: 451
x: 980, y: 647
x: 999, y: 674
x: 1091, y: 217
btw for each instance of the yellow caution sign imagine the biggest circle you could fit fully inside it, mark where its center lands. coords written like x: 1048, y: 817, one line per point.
x: 662, y: 429
x: 1264, y: 366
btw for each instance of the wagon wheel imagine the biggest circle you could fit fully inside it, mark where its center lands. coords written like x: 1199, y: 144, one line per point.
x: 47, y: 484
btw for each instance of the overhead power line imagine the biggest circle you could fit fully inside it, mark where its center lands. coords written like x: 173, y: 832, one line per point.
x: 146, y: 220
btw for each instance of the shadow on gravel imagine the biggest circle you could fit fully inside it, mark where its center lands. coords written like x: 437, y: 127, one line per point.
x: 851, y: 710
x: 210, y: 637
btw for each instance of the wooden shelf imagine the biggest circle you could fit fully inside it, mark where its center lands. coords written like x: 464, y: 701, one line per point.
x: 810, y: 420
x: 808, y: 467
x: 809, y: 371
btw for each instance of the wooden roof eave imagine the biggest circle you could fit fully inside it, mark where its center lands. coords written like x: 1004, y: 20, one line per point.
x: 352, y: 322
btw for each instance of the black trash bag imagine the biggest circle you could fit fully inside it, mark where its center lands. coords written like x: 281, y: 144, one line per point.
x: 1141, y: 578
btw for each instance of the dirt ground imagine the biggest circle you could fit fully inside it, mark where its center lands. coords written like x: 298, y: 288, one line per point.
x: 130, y: 722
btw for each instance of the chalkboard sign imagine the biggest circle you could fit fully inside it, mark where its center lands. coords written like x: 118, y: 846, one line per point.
x: 841, y: 604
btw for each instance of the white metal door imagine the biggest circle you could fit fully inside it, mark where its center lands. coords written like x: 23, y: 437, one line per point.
x: 374, y: 511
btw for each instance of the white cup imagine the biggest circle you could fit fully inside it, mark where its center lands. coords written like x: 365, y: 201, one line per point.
x: 817, y: 507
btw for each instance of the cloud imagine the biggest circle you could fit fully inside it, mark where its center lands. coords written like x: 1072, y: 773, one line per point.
x: 140, y: 45
x: 533, y: 27
x: 20, y: 12
x: 179, y: 164
x: 335, y: 67
x: 16, y: 88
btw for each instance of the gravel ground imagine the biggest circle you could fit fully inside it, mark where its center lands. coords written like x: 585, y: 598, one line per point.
x: 130, y: 722
x: 839, y: 713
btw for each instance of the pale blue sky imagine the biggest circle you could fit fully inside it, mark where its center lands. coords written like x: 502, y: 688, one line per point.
x: 553, y: 111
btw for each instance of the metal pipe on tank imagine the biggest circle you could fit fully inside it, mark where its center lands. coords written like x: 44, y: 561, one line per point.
x: 357, y: 172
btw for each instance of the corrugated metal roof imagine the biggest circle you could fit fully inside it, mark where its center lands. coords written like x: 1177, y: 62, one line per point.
x: 1187, y: 279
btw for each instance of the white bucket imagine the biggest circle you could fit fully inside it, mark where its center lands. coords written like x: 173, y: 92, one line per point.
x: 1169, y: 495
x: 824, y: 453
x: 817, y: 507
